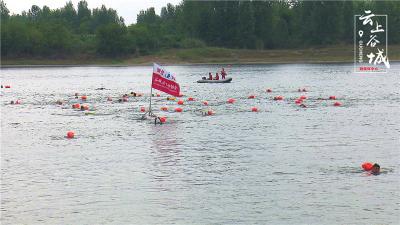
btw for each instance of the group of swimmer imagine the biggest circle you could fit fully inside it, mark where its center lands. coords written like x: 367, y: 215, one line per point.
x: 223, y: 75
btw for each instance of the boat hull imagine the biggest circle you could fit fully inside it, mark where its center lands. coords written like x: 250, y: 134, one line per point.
x: 228, y: 80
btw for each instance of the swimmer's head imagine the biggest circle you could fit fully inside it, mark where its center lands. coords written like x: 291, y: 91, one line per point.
x: 376, y: 169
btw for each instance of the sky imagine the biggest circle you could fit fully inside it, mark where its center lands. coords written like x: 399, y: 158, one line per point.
x: 128, y: 9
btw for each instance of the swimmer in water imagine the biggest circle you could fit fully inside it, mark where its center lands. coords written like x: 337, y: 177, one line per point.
x: 376, y: 169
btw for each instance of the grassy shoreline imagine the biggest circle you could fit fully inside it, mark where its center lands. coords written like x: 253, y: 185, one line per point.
x: 211, y: 55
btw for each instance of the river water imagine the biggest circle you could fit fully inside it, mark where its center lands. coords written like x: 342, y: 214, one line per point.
x: 282, y: 165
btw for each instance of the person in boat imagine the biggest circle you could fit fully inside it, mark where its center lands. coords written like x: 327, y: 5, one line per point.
x: 223, y: 74
x: 216, y: 77
x: 376, y: 169
x: 210, y: 76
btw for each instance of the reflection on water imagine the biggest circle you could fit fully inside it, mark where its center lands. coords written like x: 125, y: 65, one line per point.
x: 282, y: 165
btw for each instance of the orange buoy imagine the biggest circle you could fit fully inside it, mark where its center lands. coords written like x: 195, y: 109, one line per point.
x: 231, y: 100
x: 178, y: 109
x: 205, y: 103
x: 269, y: 90
x: 162, y: 119
x: 70, y: 134
x: 180, y: 102
x: 332, y: 97
x: 251, y: 97
x: 254, y: 109
x: 84, y: 97
x: 164, y: 108
x: 303, y: 97
x: 142, y: 109
x: 76, y: 106
x: 337, y: 104
x: 190, y: 99
x: 367, y: 166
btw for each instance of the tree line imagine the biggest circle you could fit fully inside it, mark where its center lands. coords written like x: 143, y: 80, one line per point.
x: 70, y: 31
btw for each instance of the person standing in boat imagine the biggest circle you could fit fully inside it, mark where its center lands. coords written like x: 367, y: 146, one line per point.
x: 216, y: 76
x: 210, y: 76
x: 223, y: 73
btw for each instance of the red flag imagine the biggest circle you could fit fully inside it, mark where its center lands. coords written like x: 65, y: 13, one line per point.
x: 164, y: 81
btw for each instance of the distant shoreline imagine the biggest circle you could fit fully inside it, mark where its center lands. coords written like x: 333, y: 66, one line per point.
x: 208, y: 56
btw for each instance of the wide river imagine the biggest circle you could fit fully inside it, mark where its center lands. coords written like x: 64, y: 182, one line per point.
x: 282, y: 165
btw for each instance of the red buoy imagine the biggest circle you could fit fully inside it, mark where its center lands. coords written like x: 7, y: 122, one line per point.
x: 124, y: 99
x: 298, y: 101
x: 163, y: 119
x: 7, y: 86
x: 164, y: 108
x: 180, y: 102
x: 303, y: 97
x: 276, y: 98
x: 178, y: 109
x: 158, y: 95
x: 205, y: 103
x: 76, y: 106
x: 210, y: 112
x: 332, y: 97
x: 85, y: 107
x: 367, y: 166
x: 269, y: 90
x: 84, y: 97
x: 70, y: 134
x: 337, y: 104
x: 142, y: 109
x: 231, y: 100
x: 254, y: 109
x: 190, y: 99
x: 251, y: 97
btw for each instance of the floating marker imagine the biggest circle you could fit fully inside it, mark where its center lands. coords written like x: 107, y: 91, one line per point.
x: 231, y: 100
x: 178, y: 109
x: 164, y: 108
x: 367, y: 166
x: 190, y: 99
x: 251, y: 97
x: 180, y: 102
x: 254, y: 109
x: 332, y: 97
x: 142, y: 109
x: 84, y: 97
x: 269, y: 90
x: 205, y: 103
x: 276, y: 98
x: 162, y: 119
x: 70, y: 134
x: 337, y: 104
